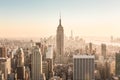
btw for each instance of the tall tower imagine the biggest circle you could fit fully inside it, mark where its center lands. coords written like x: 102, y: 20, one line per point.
x: 60, y: 40
x: 36, y: 64
x: 103, y: 50
x: 20, y: 56
x: 117, y: 60
x: 3, y: 52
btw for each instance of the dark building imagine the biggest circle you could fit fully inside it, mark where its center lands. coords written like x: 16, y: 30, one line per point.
x: 3, y: 52
x: 38, y: 44
x: 90, y: 48
x: 117, y: 64
x: 20, y: 73
x: 60, y: 40
x: 103, y: 50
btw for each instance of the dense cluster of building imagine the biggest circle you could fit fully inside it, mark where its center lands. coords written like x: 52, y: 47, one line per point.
x: 59, y: 59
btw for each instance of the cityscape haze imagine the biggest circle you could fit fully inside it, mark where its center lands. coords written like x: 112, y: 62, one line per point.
x: 59, y: 40
x: 85, y: 18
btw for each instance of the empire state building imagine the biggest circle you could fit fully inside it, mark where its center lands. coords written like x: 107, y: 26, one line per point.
x: 60, y: 41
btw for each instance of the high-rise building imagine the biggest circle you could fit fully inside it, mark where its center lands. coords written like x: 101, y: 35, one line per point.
x: 49, y: 53
x: 21, y: 73
x: 103, y: 50
x: 49, y: 59
x: 20, y: 57
x: 36, y: 63
x: 117, y: 71
x: 3, y: 52
x: 45, y: 69
x: 20, y: 64
x: 83, y: 67
x: 90, y: 48
x: 60, y: 41
x: 5, y: 67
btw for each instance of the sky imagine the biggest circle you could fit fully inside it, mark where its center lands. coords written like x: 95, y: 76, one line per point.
x: 40, y: 18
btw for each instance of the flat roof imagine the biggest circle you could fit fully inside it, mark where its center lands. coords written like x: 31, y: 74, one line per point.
x: 83, y: 56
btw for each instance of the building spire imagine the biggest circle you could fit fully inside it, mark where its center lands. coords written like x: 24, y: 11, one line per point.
x: 60, y: 18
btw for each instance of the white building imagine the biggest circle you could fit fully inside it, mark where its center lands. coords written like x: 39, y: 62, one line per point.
x: 36, y: 63
x: 49, y: 53
x: 20, y: 56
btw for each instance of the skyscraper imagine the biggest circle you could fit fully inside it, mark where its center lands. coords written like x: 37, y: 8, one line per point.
x: 60, y: 40
x: 20, y: 56
x: 83, y: 67
x: 103, y: 50
x: 90, y: 48
x: 117, y: 71
x: 49, y: 59
x: 3, y: 52
x: 36, y: 63
x: 20, y: 64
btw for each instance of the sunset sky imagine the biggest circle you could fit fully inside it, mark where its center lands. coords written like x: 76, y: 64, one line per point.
x: 39, y: 18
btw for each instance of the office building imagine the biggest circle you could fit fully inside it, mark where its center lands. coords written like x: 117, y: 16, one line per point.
x: 3, y: 52
x: 83, y: 67
x: 21, y: 73
x: 49, y: 53
x: 103, y: 50
x: 45, y: 69
x: 90, y: 48
x: 60, y: 42
x: 117, y: 60
x: 5, y: 67
x: 49, y: 59
x: 36, y: 63
x: 20, y: 57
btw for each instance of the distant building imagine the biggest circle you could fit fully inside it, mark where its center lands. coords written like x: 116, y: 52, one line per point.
x: 21, y: 73
x: 2, y: 76
x: 60, y: 42
x: 49, y: 53
x: 83, y: 67
x: 27, y: 74
x: 3, y: 52
x: 90, y: 48
x: 43, y: 49
x: 5, y: 67
x: 45, y: 69
x: 117, y: 57
x: 36, y: 63
x: 49, y: 59
x: 103, y: 50
x: 112, y: 67
x: 38, y: 44
x: 20, y: 64
x: 20, y: 57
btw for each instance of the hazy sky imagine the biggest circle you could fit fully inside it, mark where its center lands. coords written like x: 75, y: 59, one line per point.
x: 36, y: 18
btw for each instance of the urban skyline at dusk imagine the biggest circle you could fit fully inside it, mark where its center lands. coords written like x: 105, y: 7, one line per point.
x: 40, y: 18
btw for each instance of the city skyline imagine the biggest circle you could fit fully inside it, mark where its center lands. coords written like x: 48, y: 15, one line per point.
x: 41, y: 18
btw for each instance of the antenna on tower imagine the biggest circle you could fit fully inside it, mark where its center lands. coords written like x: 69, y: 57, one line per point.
x: 60, y: 18
x: 60, y: 14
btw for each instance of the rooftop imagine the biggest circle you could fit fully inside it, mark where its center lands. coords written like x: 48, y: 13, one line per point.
x: 83, y: 56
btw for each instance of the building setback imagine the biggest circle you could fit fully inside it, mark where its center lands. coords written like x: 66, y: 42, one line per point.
x: 60, y: 41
